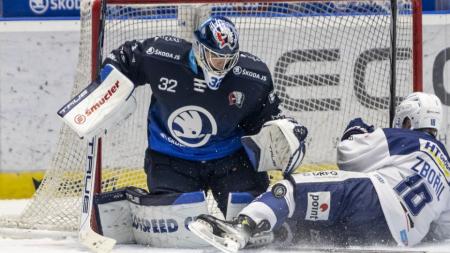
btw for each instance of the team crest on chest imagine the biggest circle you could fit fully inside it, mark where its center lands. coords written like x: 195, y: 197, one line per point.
x: 192, y: 126
x: 236, y: 98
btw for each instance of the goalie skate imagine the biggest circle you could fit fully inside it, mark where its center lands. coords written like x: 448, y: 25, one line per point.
x: 225, y: 236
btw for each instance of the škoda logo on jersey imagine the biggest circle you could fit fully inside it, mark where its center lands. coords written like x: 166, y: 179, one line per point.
x: 155, y: 51
x: 238, y: 70
x: 80, y: 119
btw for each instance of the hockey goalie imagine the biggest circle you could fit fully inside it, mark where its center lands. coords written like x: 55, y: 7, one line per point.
x: 392, y: 189
x: 214, y: 123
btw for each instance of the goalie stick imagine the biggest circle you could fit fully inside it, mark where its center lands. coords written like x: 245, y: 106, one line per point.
x: 87, y: 235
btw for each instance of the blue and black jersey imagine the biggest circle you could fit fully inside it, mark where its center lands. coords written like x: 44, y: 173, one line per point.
x: 186, y: 119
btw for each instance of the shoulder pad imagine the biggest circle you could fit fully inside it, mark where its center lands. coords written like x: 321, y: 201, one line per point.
x: 167, y: 47
x: 252, y: 68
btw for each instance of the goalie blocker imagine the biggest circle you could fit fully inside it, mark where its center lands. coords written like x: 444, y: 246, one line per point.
x: 100, y: 106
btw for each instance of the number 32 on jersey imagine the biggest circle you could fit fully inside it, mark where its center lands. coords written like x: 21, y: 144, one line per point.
x: 167, y: 84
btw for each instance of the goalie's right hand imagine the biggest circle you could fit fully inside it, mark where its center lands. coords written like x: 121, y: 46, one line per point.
x: 100, y: 106
x: 279, y: 145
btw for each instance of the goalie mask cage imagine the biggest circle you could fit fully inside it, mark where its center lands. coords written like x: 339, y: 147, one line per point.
x: 329, y: 61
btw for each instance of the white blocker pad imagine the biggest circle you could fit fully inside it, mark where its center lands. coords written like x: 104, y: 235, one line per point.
x: 279, y: 145
x: 236, y: 202
x: 100, y: 106
x: 162, y: 220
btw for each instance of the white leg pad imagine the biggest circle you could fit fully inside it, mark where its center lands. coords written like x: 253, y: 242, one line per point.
x: 162, y: 220
x: 114, y: 214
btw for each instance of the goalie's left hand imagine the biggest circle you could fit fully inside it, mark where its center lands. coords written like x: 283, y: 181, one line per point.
x: 280, y: 144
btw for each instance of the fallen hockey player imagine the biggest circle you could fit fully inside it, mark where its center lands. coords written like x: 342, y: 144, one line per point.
x: 392, y: 189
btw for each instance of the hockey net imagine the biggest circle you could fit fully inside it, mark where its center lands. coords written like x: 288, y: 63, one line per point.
x: 329, y: 61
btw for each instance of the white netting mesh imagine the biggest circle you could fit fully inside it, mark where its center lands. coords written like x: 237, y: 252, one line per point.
x: 329, y: 61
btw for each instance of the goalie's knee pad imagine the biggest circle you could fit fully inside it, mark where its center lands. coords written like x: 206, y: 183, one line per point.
x: 158, y: 220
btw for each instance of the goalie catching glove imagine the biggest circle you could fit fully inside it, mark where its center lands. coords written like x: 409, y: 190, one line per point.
x: 100, y: 106
x: 280, y: 144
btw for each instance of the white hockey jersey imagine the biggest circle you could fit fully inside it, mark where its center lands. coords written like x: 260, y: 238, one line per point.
x: 411, y: 174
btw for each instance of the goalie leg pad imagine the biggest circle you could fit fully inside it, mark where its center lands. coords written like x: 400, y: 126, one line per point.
x: 161, y: 220
x: 132, y: 215
x: 114, y: 216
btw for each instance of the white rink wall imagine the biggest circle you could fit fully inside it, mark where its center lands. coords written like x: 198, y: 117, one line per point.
x: 436, y: 65
x: 37, y: 68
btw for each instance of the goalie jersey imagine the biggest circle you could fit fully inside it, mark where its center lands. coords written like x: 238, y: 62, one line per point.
x: 410, y: 171
x: 186, y: 119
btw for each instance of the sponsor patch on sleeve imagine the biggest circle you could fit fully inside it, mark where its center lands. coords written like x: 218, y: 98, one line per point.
x: 439, y: 157
x: 318, y: 206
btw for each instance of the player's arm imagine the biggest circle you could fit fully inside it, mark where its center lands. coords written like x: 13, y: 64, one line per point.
x: 362, y: 148
x: 268, y: 110
x: 127, y: 59
x: 101, y: 105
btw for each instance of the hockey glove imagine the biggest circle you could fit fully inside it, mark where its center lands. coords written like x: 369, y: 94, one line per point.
x: 356, y: 126
x: 280, y: 144
x: 101, y: 106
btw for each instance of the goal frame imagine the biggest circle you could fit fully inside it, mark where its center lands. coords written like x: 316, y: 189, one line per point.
x: 416, y: 17
x: 96, y: 47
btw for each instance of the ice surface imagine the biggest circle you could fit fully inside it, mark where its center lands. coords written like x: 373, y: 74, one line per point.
x: 67, y: 244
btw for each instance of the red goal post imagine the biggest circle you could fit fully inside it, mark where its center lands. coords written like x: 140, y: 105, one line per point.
x: 329, y: 61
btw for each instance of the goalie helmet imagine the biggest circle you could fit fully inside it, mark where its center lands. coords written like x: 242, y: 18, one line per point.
x: 216, y: 49
x: 422, y: 109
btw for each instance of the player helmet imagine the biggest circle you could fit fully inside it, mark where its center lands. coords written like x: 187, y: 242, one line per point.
x: 422, y: 109
x: 216, y: 49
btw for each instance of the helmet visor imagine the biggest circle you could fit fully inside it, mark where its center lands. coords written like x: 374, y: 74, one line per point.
x: 220, y: 63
